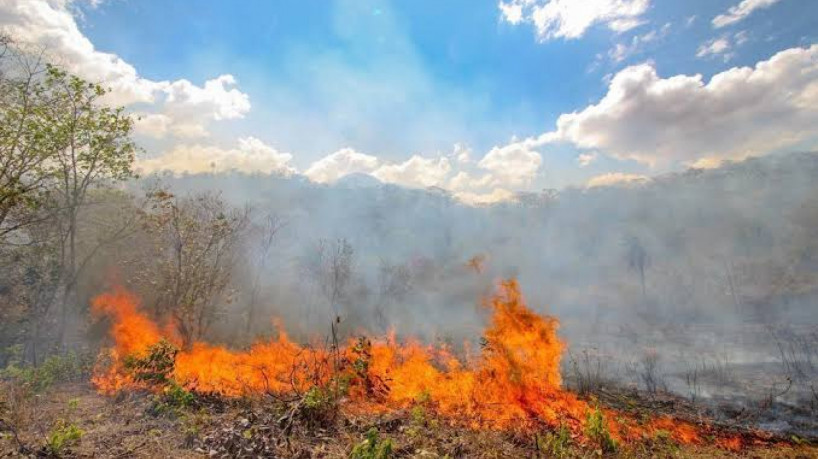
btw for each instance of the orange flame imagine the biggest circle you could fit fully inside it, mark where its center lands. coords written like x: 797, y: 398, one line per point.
x: 513, y: 383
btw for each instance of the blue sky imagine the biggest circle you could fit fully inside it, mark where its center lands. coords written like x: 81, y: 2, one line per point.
x: 392, y: 79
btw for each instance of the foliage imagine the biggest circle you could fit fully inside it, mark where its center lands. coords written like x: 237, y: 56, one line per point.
x: 596, y: 429
x: 319, y: 407
x: 555, y: 444
x: 64, y: 435
x: 67, y: 367
x: 176, y: 396
x: 372, y: 447
x: 358, y: 374
x: 156, y: 368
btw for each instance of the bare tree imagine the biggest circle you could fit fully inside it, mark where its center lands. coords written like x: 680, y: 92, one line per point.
x: 649, y: 367
x: 330, y: 267
x: 637, y: 258
x: 394, y: 284
x: 196, y: 240
x: 266, y: 233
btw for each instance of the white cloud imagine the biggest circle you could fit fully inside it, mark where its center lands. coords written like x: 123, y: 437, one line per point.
x: 192, y: 107
x: 416, y: 172
x: 343, y: 162
x: 462, y: 153
x: 740, y: 112
x: 512, y: 12
x: 218, y: 98
x: 622, y: 51
x: 707, y: 163
x: 51, y: 24
x: 585, y: 159
x: 477, y: 199
x: 154, y: 125
x: 716, y: 47
x: 465, y: 181
x: 250, y: 156
x: 741, y: 11
x: 616, y: 178
x: 569, y: 19
x: 502, y: 168
x: 513, y: 165
x: 184, y: 107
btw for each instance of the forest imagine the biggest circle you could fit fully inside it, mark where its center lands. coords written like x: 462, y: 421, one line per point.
x: 247, y: 315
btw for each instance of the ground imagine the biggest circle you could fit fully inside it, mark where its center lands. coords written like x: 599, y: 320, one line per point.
x: 140, y: 425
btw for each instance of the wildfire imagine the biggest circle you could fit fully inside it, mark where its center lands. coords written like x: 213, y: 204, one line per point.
x: 514, y: 382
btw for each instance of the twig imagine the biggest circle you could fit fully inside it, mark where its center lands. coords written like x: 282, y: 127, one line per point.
x: 22, y: 448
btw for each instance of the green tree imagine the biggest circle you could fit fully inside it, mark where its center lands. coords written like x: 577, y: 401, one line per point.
x: 94, y: 149
x: 28, y: 141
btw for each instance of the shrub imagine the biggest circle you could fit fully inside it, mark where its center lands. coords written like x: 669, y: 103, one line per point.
x: 156, y: 368
x: 596, y: 429
x: 372, y: 447
x: 68, y: 367
x: 555, y: 444
x: 64, y: 435
x: 177, y: 397
x: 319, y: 407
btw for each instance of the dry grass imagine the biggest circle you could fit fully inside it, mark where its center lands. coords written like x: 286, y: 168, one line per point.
x: 136, y: 426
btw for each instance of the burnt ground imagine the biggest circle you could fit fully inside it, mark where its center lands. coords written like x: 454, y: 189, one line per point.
x: 140, y: 425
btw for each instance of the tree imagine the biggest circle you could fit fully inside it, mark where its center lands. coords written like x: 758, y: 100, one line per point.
x: 195, y: 246
x: 266, y: 234
x: 637, y: 258
x: 94, y: 149
x: 27, y: 139
x: 59, y: 145
x: 330, y: 267
x: 394, y: 284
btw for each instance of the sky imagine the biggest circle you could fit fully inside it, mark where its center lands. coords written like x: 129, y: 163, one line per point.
x: 481, y: 98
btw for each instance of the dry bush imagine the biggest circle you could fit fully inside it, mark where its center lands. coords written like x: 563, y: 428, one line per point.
x: 649, y: 372
x: 587, y: 371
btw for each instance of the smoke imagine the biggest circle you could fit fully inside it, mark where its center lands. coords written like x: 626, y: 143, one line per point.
x: 695, y: 267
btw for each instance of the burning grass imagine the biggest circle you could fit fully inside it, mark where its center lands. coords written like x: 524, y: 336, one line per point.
x: 511, y: 385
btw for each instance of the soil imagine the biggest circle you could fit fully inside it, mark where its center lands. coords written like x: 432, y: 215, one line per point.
x: 139, y: 425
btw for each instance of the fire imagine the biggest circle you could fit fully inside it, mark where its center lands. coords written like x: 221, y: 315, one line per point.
x: 514, y: 382
x: 133, y: 334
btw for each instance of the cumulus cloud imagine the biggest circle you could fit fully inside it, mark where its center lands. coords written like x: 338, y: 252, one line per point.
x: 181, y: 104
x: 741, y: 11
x: 740, y: 112
x: 250, y: 156
x: 569, y: 19
x: 500, y: 169
x: 513, y: 165
x: 615, y: 178
x: 416, y: 172
x: 343, y: 162
x: 52, y: 25
x: 462, y: 153
x: 192, y: 107
x: 477, y: 199
x: 154, y: 125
